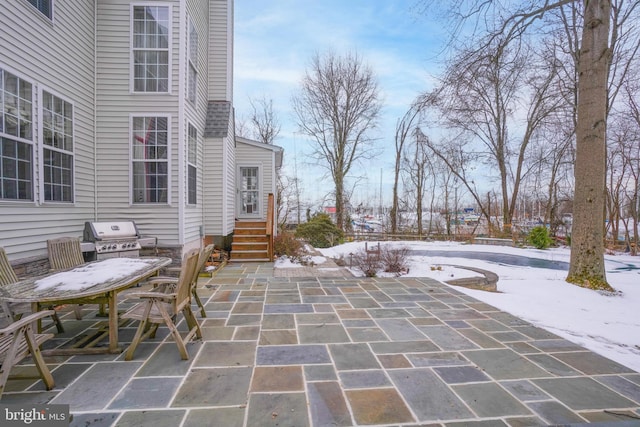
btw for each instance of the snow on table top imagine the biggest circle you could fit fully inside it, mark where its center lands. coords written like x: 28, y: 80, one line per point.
x: 93, y: 274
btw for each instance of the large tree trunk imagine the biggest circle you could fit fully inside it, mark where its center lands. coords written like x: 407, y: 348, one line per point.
x: 587, y: 238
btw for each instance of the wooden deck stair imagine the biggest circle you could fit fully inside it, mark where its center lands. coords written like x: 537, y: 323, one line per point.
x: 250, y: 242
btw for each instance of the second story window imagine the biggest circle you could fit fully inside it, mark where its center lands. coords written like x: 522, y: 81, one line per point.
x: 43, y: 6
x: 57, y: 140
x: 150, y: 46
x: 16, y: 138
x: 192, y: 84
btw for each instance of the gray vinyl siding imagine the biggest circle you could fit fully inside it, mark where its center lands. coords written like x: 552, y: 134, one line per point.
x: 221, y: 50
x: 115, y: 105
x: 229, y: 221
x: 198, y: 11
x: 37, y: 50
x: 214, y: 190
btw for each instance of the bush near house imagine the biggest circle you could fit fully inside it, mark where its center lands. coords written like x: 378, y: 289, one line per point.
x: 539, y: 237
x: 286, y: 244
x: 320, y: 232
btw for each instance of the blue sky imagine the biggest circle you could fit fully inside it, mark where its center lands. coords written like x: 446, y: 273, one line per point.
x: 274, y: 43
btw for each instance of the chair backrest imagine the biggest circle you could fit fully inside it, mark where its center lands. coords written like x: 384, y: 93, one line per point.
x: 64, y: 252
x: 7, y: 275
x: 189, y: 264
x: 205, y: 253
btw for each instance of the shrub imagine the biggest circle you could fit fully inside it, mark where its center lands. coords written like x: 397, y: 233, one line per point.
x: 395, y: 260
x: 539, y: 237
x: 320, y: 232
x: 369, y: 263
x: 286, y: 244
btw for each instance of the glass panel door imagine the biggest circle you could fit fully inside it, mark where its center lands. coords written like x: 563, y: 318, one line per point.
x: 249, y: 191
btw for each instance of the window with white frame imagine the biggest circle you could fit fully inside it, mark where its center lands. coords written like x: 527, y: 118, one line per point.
x: 192, y: 83
x: 150, y: 45
x: 16, y: 138
x: 150, y: 165
x: 44, y: 6
x: 57, y: 153
x: 192, y: 168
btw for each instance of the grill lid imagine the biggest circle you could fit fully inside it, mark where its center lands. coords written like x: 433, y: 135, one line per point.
x: 109, y: 230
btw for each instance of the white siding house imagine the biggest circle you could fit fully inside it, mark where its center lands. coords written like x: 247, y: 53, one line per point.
x: 116, y: 110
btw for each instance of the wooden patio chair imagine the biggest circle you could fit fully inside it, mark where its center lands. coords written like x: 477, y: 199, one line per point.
x: 163, y: 307
x: 64, y: 253
x: 14, y: 311
x: 18, y: 341
x: 164, y: 281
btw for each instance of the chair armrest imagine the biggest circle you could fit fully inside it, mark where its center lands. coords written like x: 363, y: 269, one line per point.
x: 26, y: 320
x: 160, y: 280
x: 153, y: 295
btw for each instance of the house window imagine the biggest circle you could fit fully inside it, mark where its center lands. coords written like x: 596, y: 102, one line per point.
x: 150, y: 48
x: 150, y: 166
x: 192, y: 160
x: 57, y: 140
x: 16, y: 138
x: 44, y: 6
x: 192, y: 83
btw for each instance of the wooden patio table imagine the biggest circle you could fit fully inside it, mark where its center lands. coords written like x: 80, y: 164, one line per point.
x: 96, y: 282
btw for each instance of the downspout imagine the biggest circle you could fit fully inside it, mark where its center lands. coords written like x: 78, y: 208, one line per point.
x: 181, y: 119
x: 95, y: 110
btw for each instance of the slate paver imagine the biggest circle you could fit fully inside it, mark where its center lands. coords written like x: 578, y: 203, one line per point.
x: 292, y: 355
x: 227, y: 417
x: 277, y: 378
x: 97, y: 386
x: 583, y: 393
x: 327, y: 404
x: 322, y: 333
x: 490, y: 400
x: 592, y: 363
x: 214, y: 387
x: 505, y: 364
x: 353, y: 356
x: 226, y: 354
x: 277, y: 409
x: 364, y: 379
x: 555, y: 413
x: 168, y: 418
x: 146, y: 392
x: 378, y: 406
x: 428, y: 396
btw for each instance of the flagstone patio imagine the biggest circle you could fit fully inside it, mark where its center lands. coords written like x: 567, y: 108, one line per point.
x: 337, y: 351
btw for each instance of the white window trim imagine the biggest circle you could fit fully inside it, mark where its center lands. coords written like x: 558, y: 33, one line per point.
x: 41, y: 147
x: 33, y: 141
x: 195, y: 165
x: 169, y: 148
x: 170, y: 50
x: 42, y: 15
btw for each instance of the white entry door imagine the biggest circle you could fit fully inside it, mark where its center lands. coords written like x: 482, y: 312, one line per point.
x: 249, y: 191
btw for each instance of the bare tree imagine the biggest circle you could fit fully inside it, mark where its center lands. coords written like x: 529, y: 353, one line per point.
x: 337, y: 106
x: 404, y: 128
x: 265, y: 123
